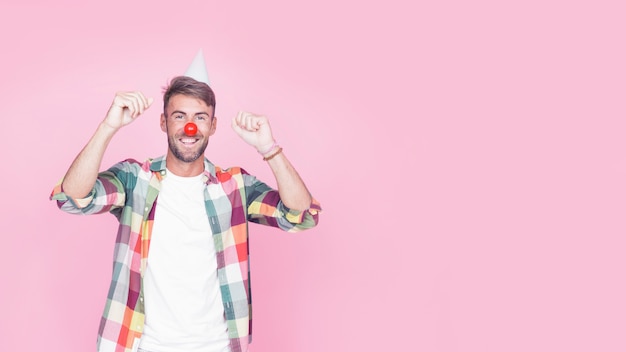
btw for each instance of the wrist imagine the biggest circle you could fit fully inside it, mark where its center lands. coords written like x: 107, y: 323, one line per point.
x: 107, y: 128
x: 272, y: 154
x: 268, y: 148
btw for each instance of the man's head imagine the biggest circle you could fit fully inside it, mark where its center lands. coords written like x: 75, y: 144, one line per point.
x: 188, y: 101
x: 188, y: 86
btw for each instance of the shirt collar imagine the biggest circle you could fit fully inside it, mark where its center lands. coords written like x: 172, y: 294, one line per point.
x: 158, y: 165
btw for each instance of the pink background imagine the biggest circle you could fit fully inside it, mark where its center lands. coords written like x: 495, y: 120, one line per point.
x: 469, y: 155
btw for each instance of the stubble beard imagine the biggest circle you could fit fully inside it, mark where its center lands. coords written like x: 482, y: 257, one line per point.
x: 180, y: 155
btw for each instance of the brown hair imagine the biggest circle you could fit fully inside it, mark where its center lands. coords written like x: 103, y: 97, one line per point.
x: 190, y: 87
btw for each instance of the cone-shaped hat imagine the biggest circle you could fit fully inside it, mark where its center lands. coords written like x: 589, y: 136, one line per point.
x: 197, y: 69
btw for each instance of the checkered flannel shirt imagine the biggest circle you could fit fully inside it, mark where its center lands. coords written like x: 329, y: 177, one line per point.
x: 129, y: 190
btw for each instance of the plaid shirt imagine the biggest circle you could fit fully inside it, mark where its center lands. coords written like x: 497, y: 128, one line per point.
x: 129, y: 190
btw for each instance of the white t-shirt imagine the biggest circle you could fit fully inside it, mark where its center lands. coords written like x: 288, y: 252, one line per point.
x: 184, y: 310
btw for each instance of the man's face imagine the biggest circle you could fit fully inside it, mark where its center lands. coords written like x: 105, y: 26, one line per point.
x: 180, y: 110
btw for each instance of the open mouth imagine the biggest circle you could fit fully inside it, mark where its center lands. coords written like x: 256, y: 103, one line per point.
x: 188, y: 141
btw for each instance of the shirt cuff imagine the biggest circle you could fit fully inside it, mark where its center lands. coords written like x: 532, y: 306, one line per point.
x: 59, y: 195
x: 296, y: 216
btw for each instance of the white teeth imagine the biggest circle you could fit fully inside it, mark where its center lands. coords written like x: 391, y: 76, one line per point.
x: 188, y: 140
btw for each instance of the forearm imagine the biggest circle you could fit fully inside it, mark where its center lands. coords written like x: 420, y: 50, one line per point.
x: 292, y: 190
x: 255, y: 130
x: 82, y: 174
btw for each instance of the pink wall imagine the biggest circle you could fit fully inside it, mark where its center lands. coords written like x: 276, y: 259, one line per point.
x: 469, y: 155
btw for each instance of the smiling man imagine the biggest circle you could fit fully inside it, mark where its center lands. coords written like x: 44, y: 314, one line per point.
x: 188, y: 119
x: 181, y: 272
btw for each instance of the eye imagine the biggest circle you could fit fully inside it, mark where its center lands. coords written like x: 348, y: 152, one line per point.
x: 178, y: 117
x: 201, y: 117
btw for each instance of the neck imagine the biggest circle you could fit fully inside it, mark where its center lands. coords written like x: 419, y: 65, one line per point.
x: 184, y: 169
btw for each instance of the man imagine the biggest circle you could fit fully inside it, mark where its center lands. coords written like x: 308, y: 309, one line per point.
x: 181, y: 272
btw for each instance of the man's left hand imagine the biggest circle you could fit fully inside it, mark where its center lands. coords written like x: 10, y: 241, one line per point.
x: 254, y: 130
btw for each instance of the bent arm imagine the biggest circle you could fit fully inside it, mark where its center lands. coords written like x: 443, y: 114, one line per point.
x: 255, y: 130
x: 81, y: 176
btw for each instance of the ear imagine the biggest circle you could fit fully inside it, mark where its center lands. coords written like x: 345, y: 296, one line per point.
x: 213, y: 125
x: 163, y: 123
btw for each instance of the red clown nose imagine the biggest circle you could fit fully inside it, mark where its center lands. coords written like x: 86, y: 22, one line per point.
x: 191, y: 129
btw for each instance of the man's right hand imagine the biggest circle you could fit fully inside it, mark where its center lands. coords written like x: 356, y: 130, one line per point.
x: 126, y: 107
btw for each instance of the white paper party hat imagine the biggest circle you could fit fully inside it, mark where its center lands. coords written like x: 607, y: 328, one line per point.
x: 197, y: 69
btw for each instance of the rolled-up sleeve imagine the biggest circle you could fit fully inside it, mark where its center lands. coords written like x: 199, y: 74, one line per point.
x: 107, y: 194
x: 265, y: 207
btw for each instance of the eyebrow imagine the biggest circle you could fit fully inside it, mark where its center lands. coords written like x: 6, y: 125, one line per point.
x: 184, y: 113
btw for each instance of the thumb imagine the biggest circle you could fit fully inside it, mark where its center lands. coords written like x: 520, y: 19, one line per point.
x: 235, y: 127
